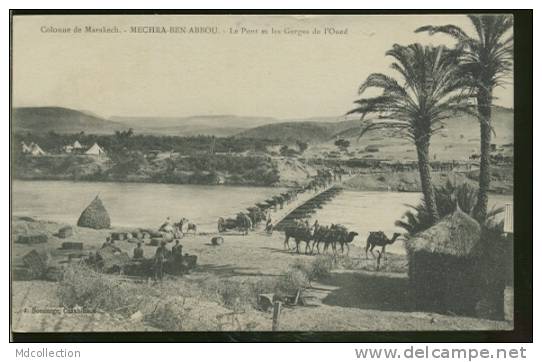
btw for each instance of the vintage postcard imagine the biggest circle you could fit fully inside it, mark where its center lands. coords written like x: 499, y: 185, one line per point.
x: 262, y: 173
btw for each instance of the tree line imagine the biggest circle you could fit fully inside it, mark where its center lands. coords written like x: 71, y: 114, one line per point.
x: 53, y: 142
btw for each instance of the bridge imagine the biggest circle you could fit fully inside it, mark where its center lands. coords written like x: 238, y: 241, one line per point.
x: 306, y: 200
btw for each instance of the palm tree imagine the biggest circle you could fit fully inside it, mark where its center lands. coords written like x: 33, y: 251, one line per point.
x: 487, y: 59
x: 430, y: 92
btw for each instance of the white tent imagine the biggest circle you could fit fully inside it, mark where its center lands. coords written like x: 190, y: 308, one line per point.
x: 36, y: 150
x: 76, y: 145
x: 95, y: 150
x: 25, y: 148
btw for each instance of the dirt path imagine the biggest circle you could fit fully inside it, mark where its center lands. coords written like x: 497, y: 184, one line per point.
x: 350, y: 299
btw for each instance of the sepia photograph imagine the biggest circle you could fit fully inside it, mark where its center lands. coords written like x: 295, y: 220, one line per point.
x: 262, y: 172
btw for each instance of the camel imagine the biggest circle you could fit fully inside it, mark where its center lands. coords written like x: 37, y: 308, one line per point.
x: 300, y: 233
x: 189, y: 226
x: 320, y: 236
x: 378, y: 238
x: 344, y: 238
x: 331, y: 235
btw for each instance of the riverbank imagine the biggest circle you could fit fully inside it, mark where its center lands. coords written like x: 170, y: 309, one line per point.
x: 219, y: 293
x: 203, y: 169
x: 502, y: 181
x: 233, y: 170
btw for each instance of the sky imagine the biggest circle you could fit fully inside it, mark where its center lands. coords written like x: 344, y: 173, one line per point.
x: 287, y: 75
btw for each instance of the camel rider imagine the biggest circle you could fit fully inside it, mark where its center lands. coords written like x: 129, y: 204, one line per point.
x: 138, y: 252
x: 166, y: 226
x: 159, y: 260
x: 316, y: 225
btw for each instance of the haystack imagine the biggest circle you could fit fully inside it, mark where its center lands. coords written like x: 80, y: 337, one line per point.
x: 446, y: 266
x: 457, y: 234
x: 95, y: 216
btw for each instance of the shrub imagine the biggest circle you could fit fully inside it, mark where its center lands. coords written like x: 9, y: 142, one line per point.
x: 446, y: 197
x: 232, y: 294
x: 344, y: 262
x: 170, y: 315
x: 321, y: 267
x: 82, y: 286
x: 292, y: 281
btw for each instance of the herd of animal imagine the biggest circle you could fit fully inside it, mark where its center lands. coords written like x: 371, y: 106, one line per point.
x: 333, y: 235
x: 314, y: 236
x: 247, y: 220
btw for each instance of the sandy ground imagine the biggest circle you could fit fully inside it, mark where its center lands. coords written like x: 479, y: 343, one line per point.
x: 357, y: 298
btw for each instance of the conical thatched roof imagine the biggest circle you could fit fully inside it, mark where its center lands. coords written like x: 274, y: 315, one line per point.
x: 95, y: 216
x: 457, y: 234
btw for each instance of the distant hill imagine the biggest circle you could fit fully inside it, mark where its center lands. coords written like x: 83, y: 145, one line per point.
x: 462, y: 127
x: 217, y: 125
x: 308, y: 131
x: 313, y: 130
x: 60, y: 120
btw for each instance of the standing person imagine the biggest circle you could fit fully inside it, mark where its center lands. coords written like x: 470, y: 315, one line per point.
x: 269, y: 224
x: 138, y: 252
x: 159, y: 260
x: 177, y: 249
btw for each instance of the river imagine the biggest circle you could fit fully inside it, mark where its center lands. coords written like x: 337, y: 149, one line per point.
x: 365, y: 211
x: 147, y: 205
x: 135, y: 204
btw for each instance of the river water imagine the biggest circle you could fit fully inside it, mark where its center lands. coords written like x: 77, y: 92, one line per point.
x: 365, y: 211
x: 147, y: 205
x: 135, y: 204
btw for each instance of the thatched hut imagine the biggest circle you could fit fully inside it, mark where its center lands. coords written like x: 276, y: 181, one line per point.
x: 453, y: 269
x: 95, y: 216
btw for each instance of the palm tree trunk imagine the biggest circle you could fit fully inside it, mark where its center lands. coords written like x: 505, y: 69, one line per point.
x: 484, y: 110
x: 422, y: 147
